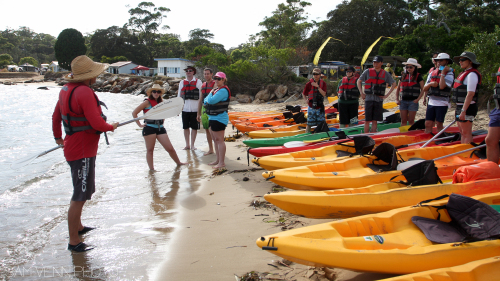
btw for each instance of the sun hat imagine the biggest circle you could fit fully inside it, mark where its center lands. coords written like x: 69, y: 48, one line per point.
x: 155, y: 87
x: 388, y: 64
x: 191, y: 67
x: 84, y: 68
x: 220, y: 75
x: 378, y: 59
x: 470, y: 56
x: 444, y: 56
x: 414, y: 62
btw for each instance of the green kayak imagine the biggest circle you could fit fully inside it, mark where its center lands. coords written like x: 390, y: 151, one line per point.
x: 254, y: 143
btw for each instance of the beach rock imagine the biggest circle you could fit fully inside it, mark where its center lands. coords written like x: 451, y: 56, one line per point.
x: 29, y: 81
x: 115, y: 89
x: 243, y: 98
x: 263, y: 95
x: 257, y: 101
x: 281, y: 91
x: 113, y: 79
x: 42, y: 88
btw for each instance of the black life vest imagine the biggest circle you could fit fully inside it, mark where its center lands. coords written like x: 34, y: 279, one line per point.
x: 349, y: 89
x: 189, y: 90
x: 436, y: 91
x: 375, y: 84
x: 220, y: 107
x: 314, y: 97
x: 153, y: 103
x: 69, y: 117
x: 496, y: 91
x: 206, y: 88
x: 460, y: 90
x: 409, y: 89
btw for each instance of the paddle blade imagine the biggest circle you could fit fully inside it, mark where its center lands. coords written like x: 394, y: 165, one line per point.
x: 389, y: 105
x: 166, y: 109
x: 291, y: 144
x: 28, y: 159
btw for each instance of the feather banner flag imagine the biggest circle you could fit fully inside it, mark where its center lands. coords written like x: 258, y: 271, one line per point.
x: 318, y: 53
x: 369, y: 50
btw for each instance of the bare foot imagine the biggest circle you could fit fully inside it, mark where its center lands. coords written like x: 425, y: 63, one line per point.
x: 208, y: 153
x: 213, y: 163
x: 182, y: 163
x: 186, y: 148
x: 219, y: 166
x: 193, y: 148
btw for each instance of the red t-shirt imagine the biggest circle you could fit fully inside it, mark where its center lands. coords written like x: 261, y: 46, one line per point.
x: 308, y: 87
x: 80, y: 144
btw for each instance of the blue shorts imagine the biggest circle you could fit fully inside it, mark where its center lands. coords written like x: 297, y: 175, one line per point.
x: 494, y: 118
x: 408, y: 105
x: 436, y: 113
x: 315, y: 116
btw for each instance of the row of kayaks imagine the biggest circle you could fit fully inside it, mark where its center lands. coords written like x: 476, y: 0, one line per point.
x: 370, y: 195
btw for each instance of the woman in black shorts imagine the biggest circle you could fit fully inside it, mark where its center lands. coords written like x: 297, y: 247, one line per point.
x: 153, y: 129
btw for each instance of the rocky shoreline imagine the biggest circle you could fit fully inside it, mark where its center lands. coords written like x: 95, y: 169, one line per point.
x: 137, y: 85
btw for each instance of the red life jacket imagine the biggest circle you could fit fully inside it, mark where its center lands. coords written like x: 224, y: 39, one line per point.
x: 72, y: 122
x: 460, y: 90
x: 436, y: 91
x: 205, y: 89
x: 409, y: 89
x: 349, y: 89
x: 496, y: 91
x: 375, y: 84
x: 189, y: 90
x: 314, y: 97
x: 152, y: 103
x: 431, y: 70
x: 220, y: 107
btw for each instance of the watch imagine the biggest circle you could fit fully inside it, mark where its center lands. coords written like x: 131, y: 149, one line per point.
x: 463, y: 110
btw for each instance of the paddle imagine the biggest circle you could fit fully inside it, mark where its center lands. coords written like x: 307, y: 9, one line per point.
x: 163, y: 110
x: 410, y: 163
x: 437, y: 135
x: 389, y: 105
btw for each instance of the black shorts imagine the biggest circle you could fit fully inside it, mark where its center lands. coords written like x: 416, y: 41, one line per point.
x: 374, y: 111
x: 216, y: 126
x: 146, y: 131
x: 348, y: 113
x: 189, y: 120
x: 83, y: 175
x: 470, y: 113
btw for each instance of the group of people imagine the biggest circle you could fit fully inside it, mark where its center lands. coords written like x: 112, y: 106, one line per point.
x: 79, y: 110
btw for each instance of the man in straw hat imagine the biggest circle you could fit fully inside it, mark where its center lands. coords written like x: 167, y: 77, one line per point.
x: 493, y: 137
x: 189, y: 90
x: 79, y: 109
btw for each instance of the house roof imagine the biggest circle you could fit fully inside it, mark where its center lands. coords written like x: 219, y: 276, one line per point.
x: 158, y: 59
x: 54, y: 63
x: 120, y: 63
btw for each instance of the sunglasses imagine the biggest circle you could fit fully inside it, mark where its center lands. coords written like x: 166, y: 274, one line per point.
x: 218, y: 78
x: 463, y: 59
x: 349, y: 71
x: 155, y: 92
x: 189, y: 70
x: 410, y: 66
x: 316, y: 73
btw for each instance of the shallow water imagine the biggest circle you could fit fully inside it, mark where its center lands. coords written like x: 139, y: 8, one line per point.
x: 134, y: 209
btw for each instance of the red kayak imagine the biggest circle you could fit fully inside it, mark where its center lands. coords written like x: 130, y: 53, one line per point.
x: 272, y: 150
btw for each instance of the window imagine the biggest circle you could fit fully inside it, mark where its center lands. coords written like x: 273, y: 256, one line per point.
x: 173, y: 70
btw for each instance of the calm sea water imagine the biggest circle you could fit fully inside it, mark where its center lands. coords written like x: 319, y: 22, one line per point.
x: 134, y: 209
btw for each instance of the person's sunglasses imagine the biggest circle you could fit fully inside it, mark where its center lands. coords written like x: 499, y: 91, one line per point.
x: 189, y: 70
x: 316, y: 73
x: 218, y: 78
x: 409, y: 66
x: 349, y: 71
x: 463, y: 59
x: 155, y: 91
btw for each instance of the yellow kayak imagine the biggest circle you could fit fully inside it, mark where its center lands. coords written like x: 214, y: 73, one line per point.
x: 350, y: 202
x: 386, y: 242
x: 286, y: 131
x: 480, y: 270
x: 356, y: 172
x: 328, y: 153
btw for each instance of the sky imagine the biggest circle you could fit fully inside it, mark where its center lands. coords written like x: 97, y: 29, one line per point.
x: 231, y: 21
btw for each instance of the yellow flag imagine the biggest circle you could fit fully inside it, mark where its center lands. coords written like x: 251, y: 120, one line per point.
x: 369, y: 50
x: 318, y: 53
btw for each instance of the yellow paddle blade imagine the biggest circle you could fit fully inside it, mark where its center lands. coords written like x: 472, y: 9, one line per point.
x: 389, y: 105
x: 404, y: 129
x: 397, y: 111
x: 332, y: 99
x: 318, y: 140
x: 369, y: 50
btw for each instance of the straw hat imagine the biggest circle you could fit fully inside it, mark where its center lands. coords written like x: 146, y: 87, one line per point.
x: 413, y: 62
x: 83, y: 68
x: 155, y: 87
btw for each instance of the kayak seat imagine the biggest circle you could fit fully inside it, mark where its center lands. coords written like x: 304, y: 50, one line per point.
x: 415, y: 158
x: 418, y: 125
x: 384, y: 153
x: 362, y: 145
x: 342, y: 153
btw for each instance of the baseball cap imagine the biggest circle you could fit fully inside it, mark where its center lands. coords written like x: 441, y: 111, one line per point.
x: 378, y: 59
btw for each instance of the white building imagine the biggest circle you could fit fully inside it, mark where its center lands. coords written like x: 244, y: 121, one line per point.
x: 121, y: 67
x: 172, y: 67
x: 54, y: 67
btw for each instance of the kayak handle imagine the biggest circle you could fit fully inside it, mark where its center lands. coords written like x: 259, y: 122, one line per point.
x: 270, y: 178
x: 270, y: 248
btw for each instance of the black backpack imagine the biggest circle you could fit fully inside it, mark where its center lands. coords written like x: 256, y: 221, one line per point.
x: 471, y: 220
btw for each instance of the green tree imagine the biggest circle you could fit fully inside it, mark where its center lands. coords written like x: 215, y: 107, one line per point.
x: 105, y: 59
x: 69, y: 45
x: 287, y: 27
x: 5, y: 59
x: 29, y: 60
x: 169, y: 46
x: 197, y: 37
x: 118, y: 41
x: 146, y: 19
